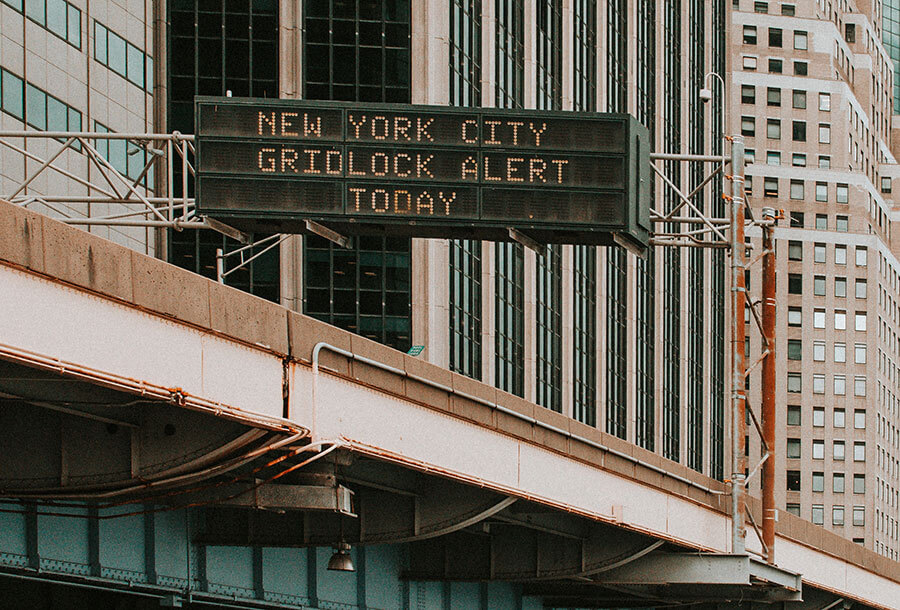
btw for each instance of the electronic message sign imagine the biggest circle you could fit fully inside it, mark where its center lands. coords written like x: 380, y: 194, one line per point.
x: 426, y: 171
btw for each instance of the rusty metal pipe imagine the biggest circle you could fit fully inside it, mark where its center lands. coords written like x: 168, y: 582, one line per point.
x: 768, y: 384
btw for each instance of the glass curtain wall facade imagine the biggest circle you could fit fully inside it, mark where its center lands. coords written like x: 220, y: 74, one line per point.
x: 465, y: 254
x: 201, y: 36
x: 616, y: 258
x: 671, y: 271
x: 645, y: 285
x: 584, y: 264
x: 359, y: 51
x: 509, y: 331
x: 890, y: 35
x: 548, y: 298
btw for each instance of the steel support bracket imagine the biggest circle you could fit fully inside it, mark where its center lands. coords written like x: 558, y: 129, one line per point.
x: 330, y: 234
x: 527, y: 241
x: 226, y: 230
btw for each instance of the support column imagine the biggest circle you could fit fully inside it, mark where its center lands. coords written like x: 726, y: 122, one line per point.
x: 738, y: 392
x: 768, y: 383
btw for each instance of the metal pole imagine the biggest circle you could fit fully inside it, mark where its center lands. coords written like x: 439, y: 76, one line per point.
x: 768, y: 382
x: 738, y: 396
x: 220, y: 266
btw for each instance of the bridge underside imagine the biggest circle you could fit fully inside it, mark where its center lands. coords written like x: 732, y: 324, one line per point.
x: 109, y: 492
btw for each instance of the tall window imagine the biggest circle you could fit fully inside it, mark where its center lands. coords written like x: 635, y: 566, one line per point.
x: 510, y: 57
x: 359, y: 51
x: 201, y: 36
x: 645, y: 405
x: 584, y: 380
x: 510, y: 318
x: 717, y: 283
x: 548, y: 309
x: 356, y: 50
x: 510, y: 258
x: 671, y: 341
x: 617, y: 55
x: 696, y: 296
x: 465, y: 307
x: 465, y: 255
x: 365, y: 289
x: 584, y: 374
x: 549, y: 55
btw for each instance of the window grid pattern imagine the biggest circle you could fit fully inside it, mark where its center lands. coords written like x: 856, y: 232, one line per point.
x: 617, y: 55
x: 585, y: 335
x: 465, y: 255
x: 365, y: 289
x: 717, y: 281
x: 200, y: 34
x: 56, y: 16
x: 510, y: 55
x: 645, y: 404
x: 125, y: 157
x: 616, y: 342
x: 584, y: 386
x: 585, y: 54
x: 548, y: 311
x: 29, y: 104
x: 357, y: 51
x: 549, y: 55
x: 122, y: 57
x: 465, y: 53
x: 891, y: 37
x: 465, y: 307
x: 696, y: 256
x: 671, y: 343
x: 510, y: 318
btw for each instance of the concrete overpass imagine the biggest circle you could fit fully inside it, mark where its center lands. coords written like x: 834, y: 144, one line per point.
x: 169, y: 440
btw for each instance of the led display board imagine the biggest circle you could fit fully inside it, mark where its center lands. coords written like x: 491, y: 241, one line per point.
x: 422, y: 171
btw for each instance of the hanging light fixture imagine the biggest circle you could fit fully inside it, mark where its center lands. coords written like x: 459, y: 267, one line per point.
x: 340, y: 561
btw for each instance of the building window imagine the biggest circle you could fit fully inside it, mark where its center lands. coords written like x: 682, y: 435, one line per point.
x: 773, y: 129
x: 795, y: 283
x: 748, y: 94
x: 773, y: 157
x: 860, y: 321
x: 793, y: 415
x: 749, y: 34
x: 795, y: 349
x: 585, y: 335
x: 465, y: 307
x: 585, y: 52
x: 795, y: 316
x: 840, y: 254
x: 748, y: 126
x: 548, y: 311
x: 859, y: 515
x: 859, y: 419
x: 795, y: 250
x: 859, y: 483
x: 837, y: 483
x: 841, y: 223
x: 825, y: 102
x: 510, y: 55
x: 819, y: 253
x: 818, y: 481
x: 788, y: 10
x: 860, y: 289
x: 760, y: 7
x: 796, y: 219
x: 776, y: 66
x: 842, y: 193
x: 819, y: 285
x: 824, y: 161
x: 795, y: 384
x: 840, y: 385
x: 770, y: 186
x: 801, y: 40
x: 819, y: 351
x: 821, y: 191
x: 860, y: 353
x: 818, y: 514
x: 798, y: 159
x: 838, y: 450
x: 839, y: 418
x: 549, y: 56
x: 798, y: 98
x: 818, y: 318
x: 749, y: 62
x: 861, y: 256
x: 818, y: 383
x: 510, y: 318
x: 840, y: 287
x: 56, y: 16
x: 793, y: 480
x: 824, y: 133
x: 859, y: 451
x: 840, y: 319
x: 616, y: 339
x: 797, y: 190
x: 798, y: 130
x: 775, y: 37
x: 840, y: 352
x: 773, y: 96
x: 859, y: 385
x: 801, y: 68
x: 792, y: 508
x: 837, y: 515
x: 885, y: 184
x: 366, y: 289
x: 850, y: 32
x: 793, y: 448
x: 465, y: 53
x: 122, y: 57
x: 818, y: 417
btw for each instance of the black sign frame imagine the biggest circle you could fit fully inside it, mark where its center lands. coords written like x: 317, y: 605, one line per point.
x: 559, y: 177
